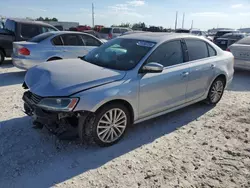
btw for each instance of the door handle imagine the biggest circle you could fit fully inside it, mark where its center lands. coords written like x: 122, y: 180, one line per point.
x: 184, y: 74
x: 212, y: 66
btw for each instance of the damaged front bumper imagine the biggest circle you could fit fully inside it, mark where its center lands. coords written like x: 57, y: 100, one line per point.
x: 63, y: 124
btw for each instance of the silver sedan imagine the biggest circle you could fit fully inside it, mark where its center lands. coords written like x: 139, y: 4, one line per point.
x: 127, y: 80
x: 52, y: 46
x: 241, y: 52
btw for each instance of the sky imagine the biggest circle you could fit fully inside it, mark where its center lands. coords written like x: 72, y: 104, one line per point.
x: 205, y: 14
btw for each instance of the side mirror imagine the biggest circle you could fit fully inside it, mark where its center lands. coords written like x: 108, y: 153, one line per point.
x: 152, y: 68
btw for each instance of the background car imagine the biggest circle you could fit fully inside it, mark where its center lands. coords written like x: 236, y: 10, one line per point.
x: 112, y: 32
x: 20, y: 30
x: 92, y: 32
x: 52, y: 46
x: 228, y: 39
x: 223, y: 32
x: 127, y: 80
x: 241, y: 52
x: 198, y: 32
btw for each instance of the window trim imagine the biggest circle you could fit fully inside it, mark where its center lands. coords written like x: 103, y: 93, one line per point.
x: 99, y: 42
x: 206, y: 47
x: 209, y: 52
x: 183, y: 55
x: 51, y: 40
x: 71, y: 34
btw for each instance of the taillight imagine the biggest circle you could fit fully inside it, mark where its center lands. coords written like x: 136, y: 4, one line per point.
x: 24, y: 51
x: 228, y: 50
x: 110, y: 36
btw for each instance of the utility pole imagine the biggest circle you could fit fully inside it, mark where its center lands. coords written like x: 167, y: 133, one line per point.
x: 183, y: 20
x: 192, y: 24
x: 93, y: 16
x: 176, y: 18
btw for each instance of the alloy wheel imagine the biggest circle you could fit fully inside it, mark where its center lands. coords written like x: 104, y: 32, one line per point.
x: 111, y: 125
x: 217, y: 91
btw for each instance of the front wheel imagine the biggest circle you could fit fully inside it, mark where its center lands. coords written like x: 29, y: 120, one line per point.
x: 109, y: 125
x: 1, y: 57
x: 216, y: 91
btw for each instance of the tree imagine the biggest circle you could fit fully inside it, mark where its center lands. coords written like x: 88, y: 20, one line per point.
x: 54, y: 19
x: 40, y: 19
x: 139, y: 26
x: 47, y: 19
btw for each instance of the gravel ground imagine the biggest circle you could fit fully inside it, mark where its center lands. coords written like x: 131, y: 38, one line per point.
x: 198, y: 146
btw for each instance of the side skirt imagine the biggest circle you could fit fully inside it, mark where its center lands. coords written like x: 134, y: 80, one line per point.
x: 169, y: 110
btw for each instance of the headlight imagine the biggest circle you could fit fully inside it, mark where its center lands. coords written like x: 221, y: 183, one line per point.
x: 58, y: 104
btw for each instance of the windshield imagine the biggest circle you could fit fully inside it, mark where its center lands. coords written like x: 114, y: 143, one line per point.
x: 196, y: 32
x: 245, y: 41
x: 119, y: 54
x: 41, y: 37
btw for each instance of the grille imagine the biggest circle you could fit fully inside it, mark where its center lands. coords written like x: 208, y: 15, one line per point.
x: 34, y: 98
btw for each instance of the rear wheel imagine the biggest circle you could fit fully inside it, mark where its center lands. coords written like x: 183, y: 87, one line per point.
x: 109, y: 125
x: 2, y: 56
x: 216, y: 91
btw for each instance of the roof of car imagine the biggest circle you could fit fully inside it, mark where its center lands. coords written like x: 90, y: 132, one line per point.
x: 158, y: 36
x: 68, y: 32
x: 29, y: 21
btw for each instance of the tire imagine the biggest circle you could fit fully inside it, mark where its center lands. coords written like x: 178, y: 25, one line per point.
x: 99, y: 130
x: 216, y: 91
x: 54, y: 58
x: 2, y: 56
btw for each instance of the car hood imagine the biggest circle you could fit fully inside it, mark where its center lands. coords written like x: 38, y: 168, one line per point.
x: 66, y: 77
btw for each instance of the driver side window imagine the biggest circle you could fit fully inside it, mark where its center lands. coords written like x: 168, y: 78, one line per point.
x: 168, y: 54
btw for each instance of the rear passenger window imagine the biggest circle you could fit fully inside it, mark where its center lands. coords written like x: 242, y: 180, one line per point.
x: 197, y: 49
x: 116, y: 30
x: 124, y: 30
x: 72, y: 40
x: 90, y: 41
x: 211, y: 50
x: 29, y: 30
x: 168, y: 54
x: 57, y: 41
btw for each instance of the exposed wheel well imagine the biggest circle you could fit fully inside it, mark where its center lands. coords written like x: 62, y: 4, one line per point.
x: 1, y: 49
x: 222, y: 76
x: 125, y: 103
x: 54, y: 58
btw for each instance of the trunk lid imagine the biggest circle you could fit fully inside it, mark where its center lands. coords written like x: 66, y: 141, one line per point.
x: 241, y: 51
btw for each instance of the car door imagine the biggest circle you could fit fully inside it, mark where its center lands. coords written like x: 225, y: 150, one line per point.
x: 73, y: 46
x: 165, y: 90
x: 89, y: 43
x: 202, y: 60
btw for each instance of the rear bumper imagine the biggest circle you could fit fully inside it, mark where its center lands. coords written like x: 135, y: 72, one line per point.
x: 25, y: 63
x: 241, y: 64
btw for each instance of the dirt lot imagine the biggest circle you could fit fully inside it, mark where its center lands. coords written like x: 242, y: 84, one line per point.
x: 197, y: 146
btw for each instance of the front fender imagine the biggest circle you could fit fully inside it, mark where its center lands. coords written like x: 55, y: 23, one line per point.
x: 92, y: 99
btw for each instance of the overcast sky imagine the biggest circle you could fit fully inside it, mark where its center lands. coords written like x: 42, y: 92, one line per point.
x: 206, y: 14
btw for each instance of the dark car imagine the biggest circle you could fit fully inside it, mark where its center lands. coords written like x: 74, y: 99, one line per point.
x: 228, y: 39
x: 223, y: 32
x: 20, y: 30
x: 182, y: 31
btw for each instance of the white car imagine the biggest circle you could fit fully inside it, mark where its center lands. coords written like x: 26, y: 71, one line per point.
x: 52, y: 46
